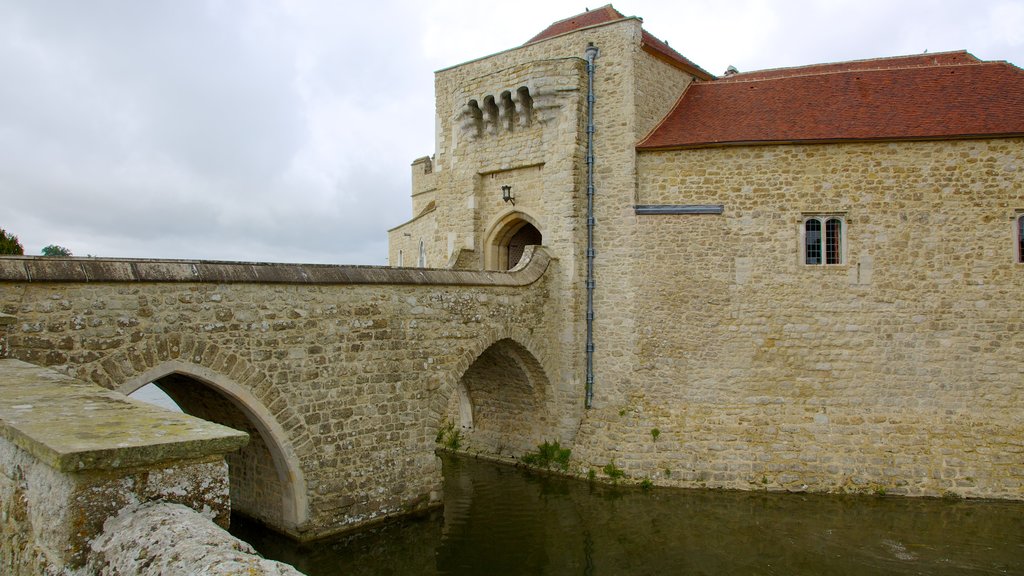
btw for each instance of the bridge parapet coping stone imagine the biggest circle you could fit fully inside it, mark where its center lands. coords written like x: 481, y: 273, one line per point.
x: 49, y: 269
x: 75, y: 426
x: 74, y: 455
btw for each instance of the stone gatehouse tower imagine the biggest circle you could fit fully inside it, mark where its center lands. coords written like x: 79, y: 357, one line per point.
x: 806, y: 278
x: 515, y: 124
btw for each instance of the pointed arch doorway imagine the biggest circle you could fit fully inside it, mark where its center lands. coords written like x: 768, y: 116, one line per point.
x: 508, y: 240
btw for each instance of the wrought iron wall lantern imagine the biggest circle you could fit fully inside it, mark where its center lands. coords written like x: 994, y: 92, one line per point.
x: 506, y: 194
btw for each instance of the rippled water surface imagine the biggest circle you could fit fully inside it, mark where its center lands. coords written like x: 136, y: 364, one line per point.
x: 500, y: 520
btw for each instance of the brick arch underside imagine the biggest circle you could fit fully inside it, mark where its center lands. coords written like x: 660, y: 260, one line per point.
x: 503, y: 400
x: 267, y: 481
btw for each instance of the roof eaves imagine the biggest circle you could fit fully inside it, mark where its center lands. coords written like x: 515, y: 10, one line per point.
x: 669, y: 55
x: 881, y: 139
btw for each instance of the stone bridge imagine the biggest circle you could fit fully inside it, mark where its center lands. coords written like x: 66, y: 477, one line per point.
x: 342, y: 375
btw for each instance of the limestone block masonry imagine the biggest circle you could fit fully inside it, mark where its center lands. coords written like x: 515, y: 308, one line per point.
x: 341, y: 375
x: 897, y: 371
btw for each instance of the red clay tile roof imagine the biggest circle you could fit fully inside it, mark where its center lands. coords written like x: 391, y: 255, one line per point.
x: 601, y: 15
x: 886, y: 99
x: 606, y: 14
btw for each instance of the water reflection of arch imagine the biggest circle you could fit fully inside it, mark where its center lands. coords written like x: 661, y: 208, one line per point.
x: 510, y: 232
x: 501, y: 396
x: 278, y: 498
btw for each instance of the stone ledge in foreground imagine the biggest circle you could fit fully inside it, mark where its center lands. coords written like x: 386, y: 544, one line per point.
x: 75, y: 426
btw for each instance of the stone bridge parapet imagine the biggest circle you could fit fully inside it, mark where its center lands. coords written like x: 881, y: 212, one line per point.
x: 50, y: 269
x: 341, y: 375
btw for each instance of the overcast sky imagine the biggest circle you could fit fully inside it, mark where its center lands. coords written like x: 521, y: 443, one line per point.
x: 283, y: 130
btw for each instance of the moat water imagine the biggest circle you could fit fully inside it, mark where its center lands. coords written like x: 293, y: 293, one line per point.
x: 502, y: 520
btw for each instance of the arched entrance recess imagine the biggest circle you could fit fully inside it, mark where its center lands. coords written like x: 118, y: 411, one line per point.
x: 265, y: 477
x: 507, y: 239
x: 502, y: 402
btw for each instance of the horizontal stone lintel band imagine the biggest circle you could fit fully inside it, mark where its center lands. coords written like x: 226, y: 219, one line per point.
x: 656, y: 209
x: 49, y: 269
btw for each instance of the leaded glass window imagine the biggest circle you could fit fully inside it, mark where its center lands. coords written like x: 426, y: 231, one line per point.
x: 823, y: 240
x: 1020, y: 238
x: 812, y: 241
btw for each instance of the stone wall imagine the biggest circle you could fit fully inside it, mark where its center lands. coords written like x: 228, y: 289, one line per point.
x: 657, y: 87
x: 6, y: 320
x: 74, y: 456
x: 898, y: 370
x: 345, y: 372
x: 405, y: 239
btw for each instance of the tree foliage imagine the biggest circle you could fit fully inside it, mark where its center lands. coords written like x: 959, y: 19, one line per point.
x: 9, y: 244
x: 55, y: 250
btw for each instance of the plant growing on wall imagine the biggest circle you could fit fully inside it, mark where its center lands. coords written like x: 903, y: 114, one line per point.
x: 548, y: 454
x: 448, y: 436
x: 613, y: 471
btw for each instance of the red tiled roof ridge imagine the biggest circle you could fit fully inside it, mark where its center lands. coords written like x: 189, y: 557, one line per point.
x: 861, y: 65
x: 597, y: 16
x: 860, y: 71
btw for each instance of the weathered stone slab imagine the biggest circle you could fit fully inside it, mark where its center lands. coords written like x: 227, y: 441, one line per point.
x: 13, y: 269
x: 75, y: 426
x: 165, y: 271
x: 108, y: 270
x: 49, y: 269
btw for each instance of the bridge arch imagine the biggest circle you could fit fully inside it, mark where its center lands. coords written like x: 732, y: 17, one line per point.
x: 500, y: 396
x: 209, y: 395
x: 506, y: 238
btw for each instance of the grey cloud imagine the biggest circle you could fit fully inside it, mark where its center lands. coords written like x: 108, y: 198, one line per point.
x: 277, y: 130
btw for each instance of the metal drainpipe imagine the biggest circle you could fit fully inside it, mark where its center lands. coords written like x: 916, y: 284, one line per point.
x: 591, y: 55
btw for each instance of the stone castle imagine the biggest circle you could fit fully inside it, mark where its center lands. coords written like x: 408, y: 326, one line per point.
x: 804, y: 279
x: 808, y: 278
